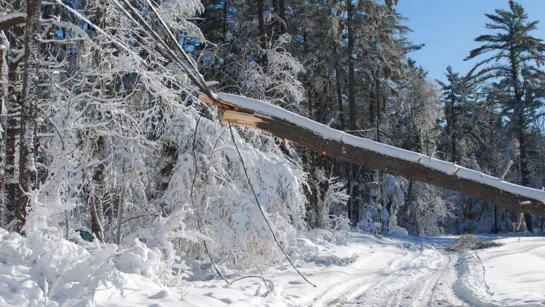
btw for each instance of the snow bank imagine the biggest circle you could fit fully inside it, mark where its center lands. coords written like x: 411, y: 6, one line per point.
x: 46, y: 270
x: 509, y: 275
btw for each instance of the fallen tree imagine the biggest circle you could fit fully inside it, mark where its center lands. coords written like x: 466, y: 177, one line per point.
x: 370, y: 154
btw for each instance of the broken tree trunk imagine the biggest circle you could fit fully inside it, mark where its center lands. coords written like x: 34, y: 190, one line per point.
x: 334, y: 143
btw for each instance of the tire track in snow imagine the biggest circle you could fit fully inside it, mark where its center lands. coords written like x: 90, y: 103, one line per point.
x: 399, y: 287
x: 344, y: 291
x: 426, y: 280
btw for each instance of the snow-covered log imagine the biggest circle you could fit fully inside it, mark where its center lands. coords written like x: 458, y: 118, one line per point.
x: 338, y: 144
x: 11, y: 20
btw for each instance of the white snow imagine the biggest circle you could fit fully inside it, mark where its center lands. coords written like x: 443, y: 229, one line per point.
x: 270, y: 110
x: 513, y: 274
x: 370, y: 270
x: 374, y: 271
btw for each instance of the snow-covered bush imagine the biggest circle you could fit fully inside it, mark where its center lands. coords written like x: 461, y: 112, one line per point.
x: 43, y: 269
x: 426, y: 210
x: 128, y: 153
x: 328, y: 193
x: 223, y: 201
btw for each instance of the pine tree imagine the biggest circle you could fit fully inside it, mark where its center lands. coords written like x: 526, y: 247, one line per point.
x: 513, y: 54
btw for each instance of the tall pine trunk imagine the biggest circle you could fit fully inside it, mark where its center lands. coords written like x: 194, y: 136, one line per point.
x: 521, y: 133
x: 379, y: 173
x: 453, y: 135
x: 354, y: 208
x: 525, y: 174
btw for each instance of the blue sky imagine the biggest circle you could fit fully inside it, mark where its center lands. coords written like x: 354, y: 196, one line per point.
x: 449, y: 27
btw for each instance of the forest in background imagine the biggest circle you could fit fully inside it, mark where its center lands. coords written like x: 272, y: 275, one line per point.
x: 103, y: 133
x: 355, y: 74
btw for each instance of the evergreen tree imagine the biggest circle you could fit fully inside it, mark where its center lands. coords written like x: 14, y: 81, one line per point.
x: 514, y: 57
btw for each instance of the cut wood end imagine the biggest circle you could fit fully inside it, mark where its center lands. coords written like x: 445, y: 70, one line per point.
x: 241, y: 119
x: 204, y: 98
x: 224, y: 105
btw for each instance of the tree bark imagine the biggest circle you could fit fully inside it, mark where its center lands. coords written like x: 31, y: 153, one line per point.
x: 282, y: 14
x: 354, y: 210
x: 27, y: 134
x: 525, y: 174
x: 453, y: 135
x: 4, y: 45
x: 370, y: 154
x: 12, y: 132
x: 98, y: 193
x: 339, y: 96
x: 262, y: 32
x: 224, y: 24
x: 379, y: 173
x: 518, y: 91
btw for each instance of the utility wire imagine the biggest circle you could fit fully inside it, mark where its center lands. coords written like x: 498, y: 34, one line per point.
x: 192, y: 196
x: 201, y: 83
x: 261, y: 209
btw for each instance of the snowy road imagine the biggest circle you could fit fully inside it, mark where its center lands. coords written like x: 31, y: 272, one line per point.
x: 427, y: 275
x: 425, y: 280
x: 376, y: 271
x: 422, y: 277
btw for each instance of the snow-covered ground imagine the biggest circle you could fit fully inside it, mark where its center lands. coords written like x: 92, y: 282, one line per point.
x: 368, y: 271
x: 374, y: 271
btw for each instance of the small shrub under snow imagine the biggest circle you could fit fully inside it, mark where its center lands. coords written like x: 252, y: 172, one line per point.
x: 334, y: 260
x: 466, y: 242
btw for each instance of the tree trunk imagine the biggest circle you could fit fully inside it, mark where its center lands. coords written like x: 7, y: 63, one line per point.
x: 379, y: 173
x: 4, y: 46
x: 339, y: 97
x: 27, y: 134
x: 354, y: 210
x: 224, y: 25
x: 370, y: 154
x: 282, y: 15
x: 525, y: 174
x: 12, y: 133
x: 262, y: 32
x: 119, y: 211
x: 97, y: 192
x: 453, y: 135
x: 495, y: 220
